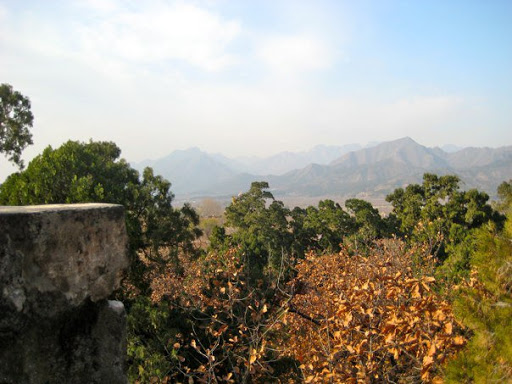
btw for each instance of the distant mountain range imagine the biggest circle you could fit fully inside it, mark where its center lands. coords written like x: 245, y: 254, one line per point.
x: 343, y: 171
x: 193, y: 171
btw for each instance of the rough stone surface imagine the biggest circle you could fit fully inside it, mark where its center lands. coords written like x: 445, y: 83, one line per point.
x: 58, y: 264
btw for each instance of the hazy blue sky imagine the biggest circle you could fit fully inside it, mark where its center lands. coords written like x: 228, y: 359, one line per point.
x: 258, y: 77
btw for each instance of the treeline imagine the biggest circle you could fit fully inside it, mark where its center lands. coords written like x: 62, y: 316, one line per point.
x: 322, y: 294
x: 436, y: 213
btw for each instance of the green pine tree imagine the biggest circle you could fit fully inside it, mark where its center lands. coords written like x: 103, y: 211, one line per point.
x: 484, y: 305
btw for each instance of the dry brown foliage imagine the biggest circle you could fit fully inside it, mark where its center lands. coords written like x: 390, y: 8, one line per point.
x: 343, y: 319
x: 229, y: 340
x: 360, y: 319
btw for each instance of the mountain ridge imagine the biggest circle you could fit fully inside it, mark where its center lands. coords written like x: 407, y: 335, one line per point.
x: 374, y: 171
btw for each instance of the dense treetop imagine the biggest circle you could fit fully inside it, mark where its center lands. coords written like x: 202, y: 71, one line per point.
x: 438, y: 213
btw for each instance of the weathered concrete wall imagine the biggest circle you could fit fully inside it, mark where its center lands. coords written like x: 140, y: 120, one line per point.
x: 58, y: 265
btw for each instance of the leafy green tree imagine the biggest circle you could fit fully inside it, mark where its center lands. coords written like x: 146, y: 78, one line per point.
x: 75, y: 172
x: 261, y: 228
x: 438, y: 214
x: 219, y: 239
x: 330, y: 223
x: 92, y: 172
x: 165, y: 231
x: 15, y: 122
x: 152, y: 330
x: 247, y: 208
x: 304, y: 236
x: 368, y: 224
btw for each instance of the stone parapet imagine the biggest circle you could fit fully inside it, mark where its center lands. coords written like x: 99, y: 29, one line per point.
x: 58, y: 266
